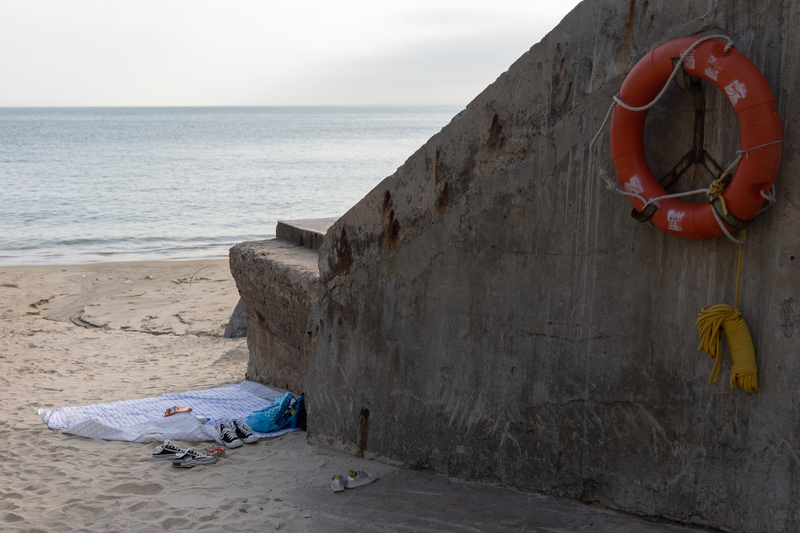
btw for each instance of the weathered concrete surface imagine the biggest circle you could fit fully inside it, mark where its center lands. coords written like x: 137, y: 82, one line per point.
x: 491, y: 311
x: 307, y: 232
x: 407, y: 501
x: 277, y: 281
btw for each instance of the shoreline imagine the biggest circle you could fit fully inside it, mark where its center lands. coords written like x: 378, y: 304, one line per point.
x: 131, y: 264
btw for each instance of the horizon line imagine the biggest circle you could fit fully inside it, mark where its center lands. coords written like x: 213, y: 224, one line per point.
x: 220, y: 105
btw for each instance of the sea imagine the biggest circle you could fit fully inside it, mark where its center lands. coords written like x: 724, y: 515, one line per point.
x: 85, y: 185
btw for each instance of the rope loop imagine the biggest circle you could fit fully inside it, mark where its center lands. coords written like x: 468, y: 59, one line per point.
x: 770, y: 196
x: 730, y: 237
x: 675, y: 71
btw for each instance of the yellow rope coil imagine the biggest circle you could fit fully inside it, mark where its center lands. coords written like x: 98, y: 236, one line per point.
x: 710, y: 321
x: 713, y: 318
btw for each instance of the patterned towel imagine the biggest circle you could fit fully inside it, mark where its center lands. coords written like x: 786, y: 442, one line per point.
x: 143, y: 420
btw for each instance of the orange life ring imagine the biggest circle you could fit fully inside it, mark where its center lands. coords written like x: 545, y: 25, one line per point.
x: 759, y: 130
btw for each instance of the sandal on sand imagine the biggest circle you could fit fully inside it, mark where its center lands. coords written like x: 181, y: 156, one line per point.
x: 167, y: 451
x: 357, y: 478
x: 191, y: 458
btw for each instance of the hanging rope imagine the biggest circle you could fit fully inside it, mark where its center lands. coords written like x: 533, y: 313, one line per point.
x: 714, y: 318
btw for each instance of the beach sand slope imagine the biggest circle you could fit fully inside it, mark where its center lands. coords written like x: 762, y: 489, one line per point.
x: 78, y: 335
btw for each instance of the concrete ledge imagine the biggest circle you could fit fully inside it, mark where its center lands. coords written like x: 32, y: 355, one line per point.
x: 305, y: 232
x: 277, y: 282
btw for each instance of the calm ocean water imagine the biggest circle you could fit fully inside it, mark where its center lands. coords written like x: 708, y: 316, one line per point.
x: 81, y: 185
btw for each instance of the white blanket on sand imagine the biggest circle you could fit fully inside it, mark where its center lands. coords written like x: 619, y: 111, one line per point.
x: 143, y: 420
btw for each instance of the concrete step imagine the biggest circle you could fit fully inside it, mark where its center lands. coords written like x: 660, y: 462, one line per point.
x: 305, y: 232
x: 277, y: 282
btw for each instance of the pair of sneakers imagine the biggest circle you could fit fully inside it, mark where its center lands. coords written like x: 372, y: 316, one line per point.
x: 350, y: 480
x: 234, y: 433
x: 191, y: 458
x: 181, y: 458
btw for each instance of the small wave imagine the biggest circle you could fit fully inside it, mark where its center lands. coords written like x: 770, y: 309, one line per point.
x: 97, y: 185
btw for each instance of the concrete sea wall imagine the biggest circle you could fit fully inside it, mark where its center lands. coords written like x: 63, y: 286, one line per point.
x: 492, y: 312
x: 277, y: 280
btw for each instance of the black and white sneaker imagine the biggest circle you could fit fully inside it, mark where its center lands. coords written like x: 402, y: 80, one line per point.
x: 191, y: 458
x: 228, y: 435
x: 167, y: 451
x: 243, y: 432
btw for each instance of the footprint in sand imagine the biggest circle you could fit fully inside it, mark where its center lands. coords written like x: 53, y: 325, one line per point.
x: 147, y: 489
x: 11, y: 517
x: 173, y: 522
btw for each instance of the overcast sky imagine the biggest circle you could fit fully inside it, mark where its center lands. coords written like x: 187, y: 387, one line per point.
x: 262, y: 52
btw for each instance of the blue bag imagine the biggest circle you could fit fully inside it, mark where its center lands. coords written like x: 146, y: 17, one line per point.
x: 296, y: 418
x: 273, y: 417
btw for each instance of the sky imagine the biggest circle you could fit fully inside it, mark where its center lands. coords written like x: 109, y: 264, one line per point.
x: 262, y: 52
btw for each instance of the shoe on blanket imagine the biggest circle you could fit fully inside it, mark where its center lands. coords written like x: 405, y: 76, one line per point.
x: 167, y: 451
x: 191, y: 457
x: 228, y: 435
x: 357, y: 478
x: 337, y: 483
x: 243, y: 432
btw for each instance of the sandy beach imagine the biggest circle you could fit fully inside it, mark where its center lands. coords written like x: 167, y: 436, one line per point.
x: 79, y: 335
x: 149, y: 333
